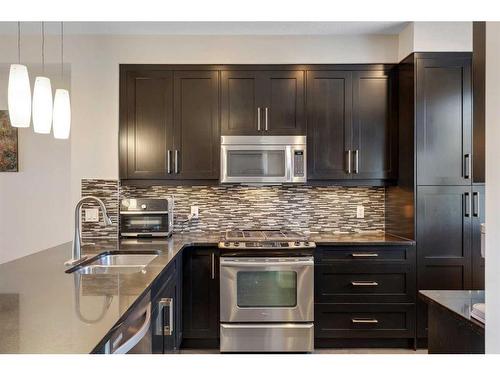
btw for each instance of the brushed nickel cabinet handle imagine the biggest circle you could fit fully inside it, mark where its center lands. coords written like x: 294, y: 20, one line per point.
x: 164, y: 329
x: 258, y: 118
x: 475, y: 204
x: 467, y: 204
x: 169, y: 162
x: 467, y: 166
x: 364, y: 283
x: 356, y: 161
x: 213, y: 265
x: 364, y: 321
x: 267, y: 118
x: 364, y: 255
x: 348, y: 162
x: 176, y: 161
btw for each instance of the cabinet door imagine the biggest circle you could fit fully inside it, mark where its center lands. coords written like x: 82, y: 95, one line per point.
x: 329, y: 105
x: 165, y: 319
x: 196, y: 125
x: 240, y: 103
x: 478, y: 218
x: 146, y: 130
x: 374, y: 133
x: 200, y: 314
x: 444, y: 121
x: 444, y: 219
x: 283, y: 112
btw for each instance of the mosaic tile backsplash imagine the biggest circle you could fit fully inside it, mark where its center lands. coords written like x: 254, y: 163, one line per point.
x: 307, y: 208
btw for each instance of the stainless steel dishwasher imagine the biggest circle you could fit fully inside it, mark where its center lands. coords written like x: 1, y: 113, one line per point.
x: 134, y: 334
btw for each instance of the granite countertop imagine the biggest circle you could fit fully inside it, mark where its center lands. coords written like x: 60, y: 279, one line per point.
x: 45, y: 310
x: 458, y: 302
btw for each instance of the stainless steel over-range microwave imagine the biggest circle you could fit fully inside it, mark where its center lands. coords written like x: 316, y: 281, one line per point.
x: 263, y: 159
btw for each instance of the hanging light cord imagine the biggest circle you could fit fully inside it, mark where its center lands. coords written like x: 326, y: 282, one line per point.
x: 62, y: 50
x: 19, y: 42
x: 43, y: 48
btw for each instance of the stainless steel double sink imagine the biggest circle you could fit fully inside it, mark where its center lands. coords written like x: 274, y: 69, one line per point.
x: 115, y: 262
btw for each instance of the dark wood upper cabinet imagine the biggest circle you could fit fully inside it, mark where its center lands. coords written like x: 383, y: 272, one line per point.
x: 262, y: 102
x: 478, y: 217
x: 444, y: 121
x: 239, y: 102
x: 479, y: 89
x: 284, y: 105
x: 352, y: 127
x: 329, y: 118
x: 196, y: 125
x: 146, y: 132
x: 373, y: 125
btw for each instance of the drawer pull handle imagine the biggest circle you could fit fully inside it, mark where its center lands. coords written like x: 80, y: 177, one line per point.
x: 364, y: 321
x: 364, y: 255
x: 364, y: 283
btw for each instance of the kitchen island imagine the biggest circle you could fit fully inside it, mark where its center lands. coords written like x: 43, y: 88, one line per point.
x: 43, y: 309
x: 452, y: 329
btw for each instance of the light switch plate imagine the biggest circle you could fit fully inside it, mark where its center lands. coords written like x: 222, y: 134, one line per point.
x: 91, y: 215
x: 360, y: 212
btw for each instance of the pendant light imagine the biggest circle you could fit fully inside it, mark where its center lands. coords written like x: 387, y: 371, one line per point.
x: 19, y: 90
x: 42, y: 98
x: 62, y: 106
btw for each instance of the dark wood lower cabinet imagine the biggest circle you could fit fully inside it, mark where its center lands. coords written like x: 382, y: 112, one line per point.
x: 478, y: 218
x: 365, y: 296
x: 200, y: 302
x: 166, y: 310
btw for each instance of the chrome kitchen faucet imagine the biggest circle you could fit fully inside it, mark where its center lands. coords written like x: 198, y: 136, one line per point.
x: 77, y: 241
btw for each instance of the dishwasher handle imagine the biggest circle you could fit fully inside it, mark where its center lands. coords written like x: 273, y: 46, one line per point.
x: 132, y: 342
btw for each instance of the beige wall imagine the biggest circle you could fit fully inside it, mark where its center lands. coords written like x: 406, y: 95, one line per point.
x: 493, y: 187
x: 435, y: 37
x: 35, y: 202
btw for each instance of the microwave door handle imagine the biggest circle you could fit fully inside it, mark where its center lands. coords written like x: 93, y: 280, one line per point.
x: 289, y: 165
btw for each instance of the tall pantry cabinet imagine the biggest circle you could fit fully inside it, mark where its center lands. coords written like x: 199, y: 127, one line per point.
x: 436, y: 201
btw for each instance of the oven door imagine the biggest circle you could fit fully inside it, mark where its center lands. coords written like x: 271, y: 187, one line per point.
x: 256, y: 164
x: 134, y: 224
x: 266, y: 289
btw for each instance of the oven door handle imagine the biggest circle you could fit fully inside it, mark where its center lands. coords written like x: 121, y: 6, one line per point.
x: 238, y: 264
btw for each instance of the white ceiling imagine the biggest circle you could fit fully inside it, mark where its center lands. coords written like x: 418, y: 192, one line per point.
x: 209, y: 28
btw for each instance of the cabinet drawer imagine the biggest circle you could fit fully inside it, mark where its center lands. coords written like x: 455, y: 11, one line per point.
x: 363, y: 254
x: 374, y: 283
x: 364, y: 320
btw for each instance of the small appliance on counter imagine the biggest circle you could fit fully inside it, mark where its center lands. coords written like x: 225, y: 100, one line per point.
x: 146, y: 217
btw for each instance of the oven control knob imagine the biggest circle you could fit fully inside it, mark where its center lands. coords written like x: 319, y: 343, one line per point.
x: 297, y: 243
x: 227, y: 244
x: 143, y: 206
x: 236, y: 244
x: 306, y: 243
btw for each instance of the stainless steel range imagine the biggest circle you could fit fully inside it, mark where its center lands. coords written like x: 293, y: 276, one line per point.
x: 266, y: 292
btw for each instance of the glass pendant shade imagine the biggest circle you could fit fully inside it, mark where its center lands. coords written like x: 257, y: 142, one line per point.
x: 61, y: 120
x: 19, y: 96
x: 42, y: 105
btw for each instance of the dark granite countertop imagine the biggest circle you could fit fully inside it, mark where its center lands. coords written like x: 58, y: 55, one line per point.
x: 457, y: 302
x: 364, y: 238
x: 45, y: 310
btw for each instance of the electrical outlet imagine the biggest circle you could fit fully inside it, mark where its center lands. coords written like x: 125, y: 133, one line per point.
x: 91, y: 215
x: 194, y: 212
x: 360, y: 212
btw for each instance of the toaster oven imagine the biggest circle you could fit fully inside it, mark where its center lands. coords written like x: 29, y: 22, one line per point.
x: 146, y: 217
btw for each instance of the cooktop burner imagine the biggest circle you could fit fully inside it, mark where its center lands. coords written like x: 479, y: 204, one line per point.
x: 265, y: 239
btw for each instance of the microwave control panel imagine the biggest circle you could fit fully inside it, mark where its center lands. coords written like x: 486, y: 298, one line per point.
x: 298, y: 163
